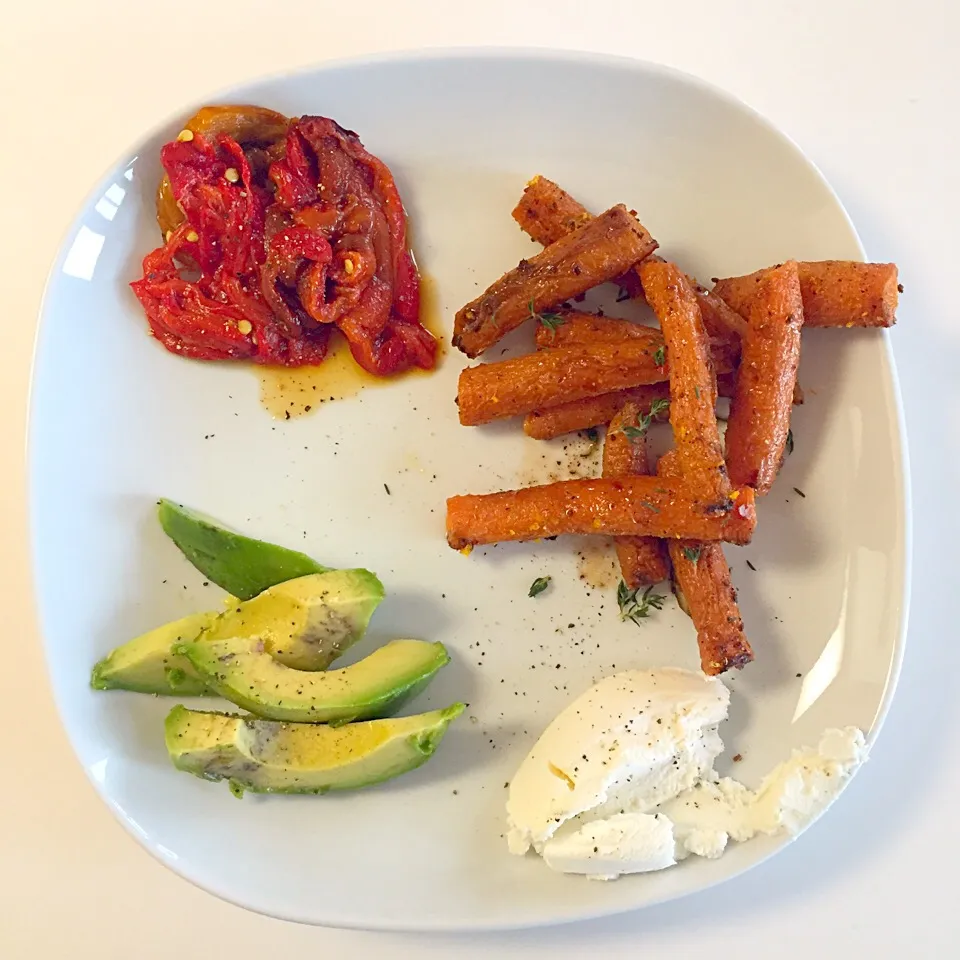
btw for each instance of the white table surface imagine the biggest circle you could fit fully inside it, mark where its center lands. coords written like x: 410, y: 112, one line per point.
x: 871, y: 90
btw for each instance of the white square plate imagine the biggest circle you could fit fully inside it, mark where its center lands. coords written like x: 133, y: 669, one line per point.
x: 118, y: 422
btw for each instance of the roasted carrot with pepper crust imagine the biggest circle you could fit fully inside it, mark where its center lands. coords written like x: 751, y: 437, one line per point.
x: 702, y: 575
x: 597, y: 251
x: 760, y: 408
x: 725, y: 326
x: 835, y: 293
x: 596, y: 411
x: 563, y: 327
x: 508, y: 388
x: 546, y: 212
x: 693, y: 388
x: 618, y: 507
x: 643, y: 560
x: 722, y: 322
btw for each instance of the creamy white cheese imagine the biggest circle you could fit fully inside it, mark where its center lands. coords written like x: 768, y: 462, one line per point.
x: 632, y: 741
x: 790, y: 796
x: 604, y: 849
x: 628, y: 768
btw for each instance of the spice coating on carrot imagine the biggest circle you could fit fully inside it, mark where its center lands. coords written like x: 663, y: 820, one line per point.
x: 621, y: 507
x: 642, y: 560
x: 835, y: 293
x: 567, y: 327
x: 692, y: 380
x: 509, y: 388
x: 597, y: 251
x: 721, y: 321
x: 702, y: 575
x: 596, y: 411
x: 592, y: 411
x: 760, y: 408
x: 546, y: 212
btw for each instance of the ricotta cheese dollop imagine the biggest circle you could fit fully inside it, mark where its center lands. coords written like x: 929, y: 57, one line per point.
x: 623, y: 780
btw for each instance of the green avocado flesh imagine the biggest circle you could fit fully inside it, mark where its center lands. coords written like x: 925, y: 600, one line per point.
x: 241, y: 670
x: 306, y: 623
x: 265, y: 756
x: 148, y: 664
x: 242, y: 566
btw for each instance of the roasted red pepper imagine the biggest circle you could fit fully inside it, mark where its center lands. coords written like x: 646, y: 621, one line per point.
x: 277, y: 272
x: 328, y: 182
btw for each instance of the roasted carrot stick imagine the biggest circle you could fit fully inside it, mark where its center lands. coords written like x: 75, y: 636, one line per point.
x: 596, y: 411
x: 722, y: 322
x: 726, y: 328
x: 546, y: 212
x: 563, y: 327
x: 702, y: 575
x: 643, y: 560
x: 618, y: 507
x: 835, y: 293
x: 574, y: 326
x: 760, y: 408
x: 578, y: 327
x: 597, y: 251
x: 592, y: 411
x: 692, y: 381
x: 700, y: 569
x: 491, y: 391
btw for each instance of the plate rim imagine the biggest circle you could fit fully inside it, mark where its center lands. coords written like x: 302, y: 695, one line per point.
x: 438, y: 54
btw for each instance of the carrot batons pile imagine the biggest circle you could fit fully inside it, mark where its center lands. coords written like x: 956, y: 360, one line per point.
x: 740, y: 340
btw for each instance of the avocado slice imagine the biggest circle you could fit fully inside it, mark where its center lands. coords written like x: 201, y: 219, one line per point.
x: 242, y: 566
x: 147, y: 664
x: 242, y: 671
x: 308, y: 622
x: 265, y: 756
x: 305, y: 623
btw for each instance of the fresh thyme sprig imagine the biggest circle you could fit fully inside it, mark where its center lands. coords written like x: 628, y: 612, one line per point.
x: 644, y: 421
x: 550, y: 320
x: 636, y: 606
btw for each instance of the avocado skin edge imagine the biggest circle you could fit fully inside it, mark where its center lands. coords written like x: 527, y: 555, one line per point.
x: 240, y: 565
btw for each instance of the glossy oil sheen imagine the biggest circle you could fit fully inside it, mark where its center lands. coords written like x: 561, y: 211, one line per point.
x: 118, y: 422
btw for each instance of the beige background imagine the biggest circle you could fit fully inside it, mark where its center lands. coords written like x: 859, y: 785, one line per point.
x: 870, y: 90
